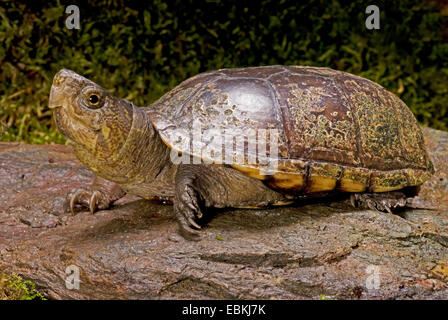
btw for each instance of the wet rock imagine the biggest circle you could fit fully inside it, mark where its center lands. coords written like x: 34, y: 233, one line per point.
x: 133, y: 251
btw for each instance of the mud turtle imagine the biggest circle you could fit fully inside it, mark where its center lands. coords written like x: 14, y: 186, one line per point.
x: 249, y: 137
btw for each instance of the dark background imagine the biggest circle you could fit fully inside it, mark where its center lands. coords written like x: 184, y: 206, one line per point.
x: 141, y: 50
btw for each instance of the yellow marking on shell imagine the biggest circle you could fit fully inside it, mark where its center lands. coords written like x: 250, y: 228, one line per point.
x: 349, y: 185
x: 354, y: 179
x: 385, y: 188
x: 417, y: 177
x: 319, y: 184
x: 323, y: 177
x: 287, y: 181
x: 251, y: 172
x: 388, y: 181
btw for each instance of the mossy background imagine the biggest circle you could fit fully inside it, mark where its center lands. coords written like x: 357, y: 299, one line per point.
x: 140, y: 50
x: 13, y: 287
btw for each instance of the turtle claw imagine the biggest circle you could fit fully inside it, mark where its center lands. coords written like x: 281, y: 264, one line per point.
x: 193, y: 223
x: 76, y: 199
x: 186, y: 216
x: 92, y: 200
x: 353, y: 200
x: 188, y: 228
x: 73, y: 200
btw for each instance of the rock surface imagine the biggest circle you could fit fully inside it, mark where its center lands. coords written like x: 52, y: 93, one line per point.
x: 313, y: 250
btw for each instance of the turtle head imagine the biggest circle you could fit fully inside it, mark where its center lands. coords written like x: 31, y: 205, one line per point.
x: 88, y: 116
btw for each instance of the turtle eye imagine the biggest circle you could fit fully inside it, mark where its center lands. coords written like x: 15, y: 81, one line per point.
x: 94, y: 100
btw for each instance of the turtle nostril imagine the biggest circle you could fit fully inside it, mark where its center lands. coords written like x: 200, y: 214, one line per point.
x: 61, y: 76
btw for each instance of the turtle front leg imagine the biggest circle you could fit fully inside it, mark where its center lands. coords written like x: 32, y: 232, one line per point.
x: 383, y: 201
x: 101, y: 195
x: 186, y: 202
x: 198, y: 187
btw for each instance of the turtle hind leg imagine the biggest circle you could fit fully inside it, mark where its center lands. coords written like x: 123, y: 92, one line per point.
x: 380, y: 201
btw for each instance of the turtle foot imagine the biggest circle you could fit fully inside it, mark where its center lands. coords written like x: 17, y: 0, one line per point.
x: 187, y: 211
x: 384, y: 202
x: 93, y: 200
x: 101, y: 195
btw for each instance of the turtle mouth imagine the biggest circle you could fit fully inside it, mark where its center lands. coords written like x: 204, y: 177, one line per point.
x: 60, y: 123
x: 56, y: 98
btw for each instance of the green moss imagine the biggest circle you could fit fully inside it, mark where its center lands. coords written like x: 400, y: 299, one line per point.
x: 13, y: 287
x: 140, y: 51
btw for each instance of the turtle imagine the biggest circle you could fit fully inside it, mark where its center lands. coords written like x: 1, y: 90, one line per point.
x: 249, y: 137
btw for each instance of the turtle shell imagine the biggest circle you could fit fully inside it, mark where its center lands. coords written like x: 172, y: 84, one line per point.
x: 326, y: 129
